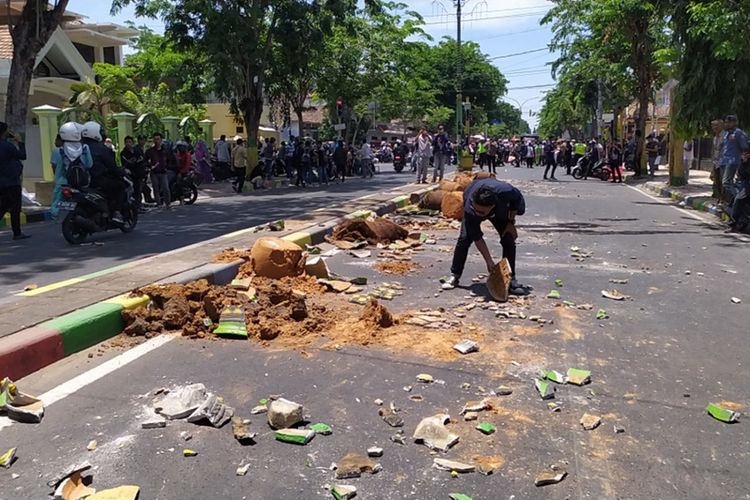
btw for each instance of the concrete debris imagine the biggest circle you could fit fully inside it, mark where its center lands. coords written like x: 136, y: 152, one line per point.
x: 361, y: 254
x: 283, y: 414
x: 503, y: 390
x: 416, y: 397
x: 242, y: 470
x: 590, y: 422
x: 316, y: 266
x: 189, y: 453
x: 76, y: 469
x: 425, y: 378
x: 459, y: 496
x: 378, y: 402
x: 614, y: 295
x: 432, y: 432
x: 553, y: 294
x: 545, y: 478
x: 19, y: 406
x: 486, y: 428
x: 577, y: 376
x: 343, y: 491
x: 488, y: 464
x: 92, y: 445
x: 322, y: 429
x: 7, y: 458
x: 723, y: 414
x: 186, y: 436
x: 127, y: 492
x: 153, y: 421
x: 466, y: 346
x: 259, y: 410
x: 554, y: 407
x: 545, y: 389
x: 294, y: 436
x: 390, y: 417
x: 618, y: 429
x: 182, y: 402
x: 736, y: 300
x: 214, y: 410
x: 239, y: 430
x: 72, y: 488
x: 474, y: 406
x: 374, y: 451
x: 601, y: 314
x: 451, y: 465
x: 354, y: 465
x: 618, y: 281
x: 471, y: 416
x: 398, y: 438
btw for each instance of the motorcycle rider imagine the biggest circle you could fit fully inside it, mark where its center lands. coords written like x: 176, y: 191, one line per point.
x: 106, y: 176
x: 593, y: 154
x: 70, y: 153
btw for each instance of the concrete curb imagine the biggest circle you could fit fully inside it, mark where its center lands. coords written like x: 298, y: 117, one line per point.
x: 700, y: 203
x: 30, y: 218
x: 32, y: 349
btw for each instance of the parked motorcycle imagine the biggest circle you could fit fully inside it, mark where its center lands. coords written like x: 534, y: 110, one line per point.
x: 88, y: 213
x: 601, y: 170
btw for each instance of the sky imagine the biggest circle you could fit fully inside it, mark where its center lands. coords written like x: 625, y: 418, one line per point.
x: 501, y: 28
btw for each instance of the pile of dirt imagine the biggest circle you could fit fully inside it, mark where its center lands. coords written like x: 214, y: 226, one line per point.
x: 448, y: 186
x: 397, y: 267
x: 373, y: 231
x: 463, y: 179
x: 376, y: 314
x: 231, y: 255
x: 432, y: 200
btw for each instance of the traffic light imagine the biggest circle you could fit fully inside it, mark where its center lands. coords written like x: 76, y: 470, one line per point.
x: 339, y: 107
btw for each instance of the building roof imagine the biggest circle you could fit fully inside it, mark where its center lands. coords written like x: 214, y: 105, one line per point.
x: 6, y: 43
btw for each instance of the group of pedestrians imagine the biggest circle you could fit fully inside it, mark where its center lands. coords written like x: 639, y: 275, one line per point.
x: 731, y: 171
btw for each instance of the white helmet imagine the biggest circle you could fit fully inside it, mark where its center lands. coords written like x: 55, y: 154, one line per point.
x: 69, y: 132
x: 92, y: 130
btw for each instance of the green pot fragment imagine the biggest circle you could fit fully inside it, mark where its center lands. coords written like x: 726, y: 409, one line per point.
x: 459, y: 496
x: 602, y: 314
x: 343, y: 492
x: 486, y: 428
x: 722, y: 414
x: 545, y: 389
x: 6, y: 459
x: 577, y: 376
x: 321, y: 428
x: 294, y: 436
x: 554, y: 376
x: 559, y: 282
x: 553, y: 294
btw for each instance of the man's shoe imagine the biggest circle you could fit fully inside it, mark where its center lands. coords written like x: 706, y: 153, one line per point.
x: 21, y: 236
x: 117, y: 218
x: 518, y: 289
x: 450, y: 282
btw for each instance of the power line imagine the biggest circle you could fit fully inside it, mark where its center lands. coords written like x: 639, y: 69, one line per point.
x: 505, y: 56
x: 531, y: 14
x: 532, y: 87
x: 508, y: 34
x: 529, y: 7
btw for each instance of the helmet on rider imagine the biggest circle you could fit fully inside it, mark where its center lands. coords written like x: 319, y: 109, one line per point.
x: 92, y: 130
x: 69, y: 132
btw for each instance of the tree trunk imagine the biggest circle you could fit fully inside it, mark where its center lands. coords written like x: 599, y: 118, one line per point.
x: 251, y: 113
x: 30, y: 34
x: 300, y: 121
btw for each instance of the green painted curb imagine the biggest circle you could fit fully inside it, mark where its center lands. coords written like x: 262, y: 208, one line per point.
x: 400, y: 201
x: 88, y: 326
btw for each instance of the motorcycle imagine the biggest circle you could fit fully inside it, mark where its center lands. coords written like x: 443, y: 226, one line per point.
x: 88, y: 213
x: 184, y: 191
x: 385, y: 155
x: 221, y: 172
x: 601, y: 170
x: 399, y: 162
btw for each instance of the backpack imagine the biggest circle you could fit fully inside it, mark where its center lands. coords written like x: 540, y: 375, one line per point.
x: 76, y: 173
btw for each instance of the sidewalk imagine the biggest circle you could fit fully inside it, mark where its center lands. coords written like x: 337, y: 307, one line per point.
x: 697, y: 194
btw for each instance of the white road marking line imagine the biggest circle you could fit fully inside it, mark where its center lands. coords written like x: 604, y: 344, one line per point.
x: 77, y: 383
x: 692, y: 213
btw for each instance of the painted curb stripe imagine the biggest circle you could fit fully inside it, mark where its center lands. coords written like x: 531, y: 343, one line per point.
x: 88, y: 326
x: 73, y: 281
x: 299, y: 238
x: 28, y: 351
x: 129, y: 303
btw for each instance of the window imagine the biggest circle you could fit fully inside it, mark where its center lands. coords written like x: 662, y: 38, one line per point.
x: 239, y: 130
x: 110, y: 56
x: 86, y: 51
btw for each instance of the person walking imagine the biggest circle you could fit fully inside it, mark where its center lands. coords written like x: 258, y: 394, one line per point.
x: 441, y: 149
x: 549, y: 159
x: 134, y: 161
x: 734, y: 143
x: 529, y: 155
x: 339, y: 159
x: 492, y: 157
x: 615, y: 161
x: 223, y: 155
x: 652, y: 154
x: 239, y: 164
x: 11, y: 171
x: 161, y: 160
x: 423, y: 154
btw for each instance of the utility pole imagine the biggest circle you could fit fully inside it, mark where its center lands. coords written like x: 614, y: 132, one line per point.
x: 459, y: 75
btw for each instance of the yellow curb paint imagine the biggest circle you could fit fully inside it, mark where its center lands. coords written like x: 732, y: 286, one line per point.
x: 300, y: 239
x: 400, y: 201
x: 238, y: 233
x: 49, y: 288
x: 128, y: 302
x: 359, y: 214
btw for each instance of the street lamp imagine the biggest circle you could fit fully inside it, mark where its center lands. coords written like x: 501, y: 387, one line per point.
x: 519, y: 104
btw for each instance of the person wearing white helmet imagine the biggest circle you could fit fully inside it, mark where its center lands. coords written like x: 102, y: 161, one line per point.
x: 71, y: 154
x: 106, y: 176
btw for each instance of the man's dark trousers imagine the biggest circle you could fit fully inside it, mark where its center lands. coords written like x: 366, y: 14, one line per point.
x: 463, y: 244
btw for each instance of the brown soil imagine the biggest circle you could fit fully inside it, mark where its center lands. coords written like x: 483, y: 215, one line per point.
x: 375, y: 314
x: 373, y: 231
x: 432, y: 200
x: 452, y: 205
x: 231, y: 255
x: 398, y: 267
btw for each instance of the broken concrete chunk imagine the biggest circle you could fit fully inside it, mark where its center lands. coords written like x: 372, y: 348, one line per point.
x: 466, y: 346
x: 214, y: 410
x: 374, y: 451
x: 7, y: 458
x: 488, y: 464
x: 432, y: 432
x: 127, y: 492
x: 471, y: 415
x: 276, y: 258
x: 19, y: 406
x: 425, y: 378
x: 183, y: 401
x: 736, y: 300
x: 553, y: 294
x: 92, y: 445
x: 590, y: 422
x: 577, y: 376
x: 545, y: 478
x: 545, y: 389
x: 723, y: 414
x: 232, y: 323
x: 474, y: 406
x: 186, y: 436
x: 486, y: 428
x: 503, y: 390
x: 294, y: 436
x: 154, y: 421
x: 451, y: 465
x: 55, y: 481
x: 353, y: 465
x: 72, y: 488
x: 343, y: 491
x: 391, y: 418
x: 316, y: 266
x: 283, y: 413
x: 601, y: 314
x: 322, y: 429
x: 259, y: 409
x: 239, y: 430
x: 614, y: 295
x: 242, y: 470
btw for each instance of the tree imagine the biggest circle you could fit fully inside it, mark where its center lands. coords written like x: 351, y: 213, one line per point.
x: 95, y: 98
x: 30, y: 32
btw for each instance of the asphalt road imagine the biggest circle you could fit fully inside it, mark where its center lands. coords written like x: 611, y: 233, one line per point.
x: 676, y: 345
x: 47, y: 258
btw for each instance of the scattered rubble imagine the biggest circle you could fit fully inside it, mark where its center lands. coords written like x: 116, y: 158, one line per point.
x: 545, y: 389
x: 466, y: 346
x: 154, y: 421
x: 396, y: 267
x: 283, y: 414
x: 723, y: 414
x: 294, y: 436
x: 391, y: 418
x: 7, y: 458
x: 242, y: 470
x: 322, y: 429
x: 545, y: 478
x: 377, y: 315
x: 374, y: 451
x: 373, y: 230
x: 181, y: 402
x: 425, y: 378
x: 189, y: 453
x: 69, y: 484
x: 614, y: 295
x: 92, y: 445
x: 486, y: 428
x: 343, y: 491
x: 577, y: 376
x: 736, y: 300
x: 239, y: 430
x: 19, y: 406
x: 214, y: 410
x: 432, y: 432
x: 354, y: 465
x: 590, y: 422
x: 451, y: 465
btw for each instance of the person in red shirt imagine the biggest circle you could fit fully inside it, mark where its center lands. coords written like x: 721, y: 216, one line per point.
x: 184, y: 159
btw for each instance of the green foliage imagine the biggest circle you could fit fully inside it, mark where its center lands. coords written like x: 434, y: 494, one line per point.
x: 93, y: 100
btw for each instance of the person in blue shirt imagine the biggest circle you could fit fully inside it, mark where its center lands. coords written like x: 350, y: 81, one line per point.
x: 500, y: 203
x: 11, y: 169
x: 71, y: 152
x: 733, y: 143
